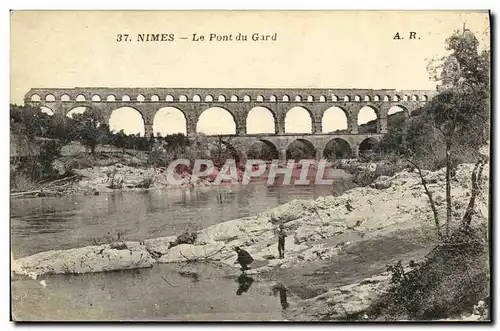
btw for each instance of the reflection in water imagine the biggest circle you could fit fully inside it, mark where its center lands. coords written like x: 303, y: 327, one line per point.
x: 283, y: 295
x: 245, y: 283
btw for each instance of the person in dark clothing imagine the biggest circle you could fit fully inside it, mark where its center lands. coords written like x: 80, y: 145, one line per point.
x: 281, y: 241
x: 245, y: 283
x: 244, y: 258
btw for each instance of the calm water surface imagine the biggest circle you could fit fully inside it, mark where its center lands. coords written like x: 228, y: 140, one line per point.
x: 163, y: 292
x: 41, y: 224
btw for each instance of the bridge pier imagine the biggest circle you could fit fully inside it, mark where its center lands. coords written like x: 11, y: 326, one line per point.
x: 319, y: 154
x: 353, y: 127
x: 355, y: 152
x: 241, y: 130
x: 148, y: 130
x: 190, y: 128
x: 382, y: 125
x: 282, y: 154
x: 316, y: 127
x: 280, y: 127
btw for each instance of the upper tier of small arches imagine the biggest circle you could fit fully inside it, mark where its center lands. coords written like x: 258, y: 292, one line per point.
x: 221, y: 98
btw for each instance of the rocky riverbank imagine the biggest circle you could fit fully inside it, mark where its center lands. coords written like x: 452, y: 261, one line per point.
x: 318, y: 231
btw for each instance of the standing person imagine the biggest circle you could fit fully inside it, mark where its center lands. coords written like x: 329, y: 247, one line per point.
x: 281, y: 241
x: 244, y: 258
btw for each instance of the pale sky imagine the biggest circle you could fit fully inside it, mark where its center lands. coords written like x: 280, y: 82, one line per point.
x: 329, y: 49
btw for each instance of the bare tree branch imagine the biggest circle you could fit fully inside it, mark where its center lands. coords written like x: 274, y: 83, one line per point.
x: 431, y: 199
x: 475, y: 178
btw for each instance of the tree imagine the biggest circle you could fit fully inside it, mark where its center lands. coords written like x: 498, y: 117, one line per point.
x: 87, y: 129
x: 120, y: 140
x: 455, y: 123
x: 222, y: 149
x: 460, y: 111
x: 39, y: 138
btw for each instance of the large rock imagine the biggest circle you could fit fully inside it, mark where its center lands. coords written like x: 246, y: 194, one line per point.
x: 224, y: 232
x: 293, y: 210
x: 343, y: 301
x: 159, y: 245
x: 128, y: 255
x: 186, y: 252
x: 381, y: 183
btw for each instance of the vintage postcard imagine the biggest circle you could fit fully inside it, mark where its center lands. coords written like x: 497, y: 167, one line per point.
x: 250, y: 166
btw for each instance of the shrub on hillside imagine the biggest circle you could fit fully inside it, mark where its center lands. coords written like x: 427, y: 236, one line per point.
x: 366, y: 176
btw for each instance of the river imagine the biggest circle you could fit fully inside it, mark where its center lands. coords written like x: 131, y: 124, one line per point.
x: 194, y: 291
x: 42, y: 224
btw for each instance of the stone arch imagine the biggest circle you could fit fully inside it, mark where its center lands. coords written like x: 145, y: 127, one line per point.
x: 368, y: 146
x: 406, y: 97
x: 263, y: 149
x: 368, y: 117
x: 335, y: 98
x: 183, y: 98
x: 169, y: 98
x: 246, y: 98
x: 234, y: 98
x: 272, y: 98
x: 76, y: 110
x: 155, y: 98
x: 337, y: 148
x: 398, y: 108
x: 46, y: 110
x: 298, y: 98
x: 140, y: 98
x: 299, y: 149
x: 260, y: 120
x: 346, y: 98
x: 216, y: 120
x: 357, y: 98
x: 169, y: 120
x: 395, y: 98
x: 335, y: 119
x: 285, y: 98
x: 424, y: 98
x: 80, y: 98
x: 376, y: 98
x: 221, y: 98
x: 298, y: 120
x: 310, y: 98
x: 96, y: 98
x: 126, y: 97
x: 260, y: 98
x: 111, y: 98
x: 322, y: 98
x: 50, y: 98
x: 65, y: 98
x: 209, y: 98
x: 387, y: 98
x: 35, y: 97
x: 128, y: 119
x: 196, y: 98
x: 414, y: 97
x: 367, y: 98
